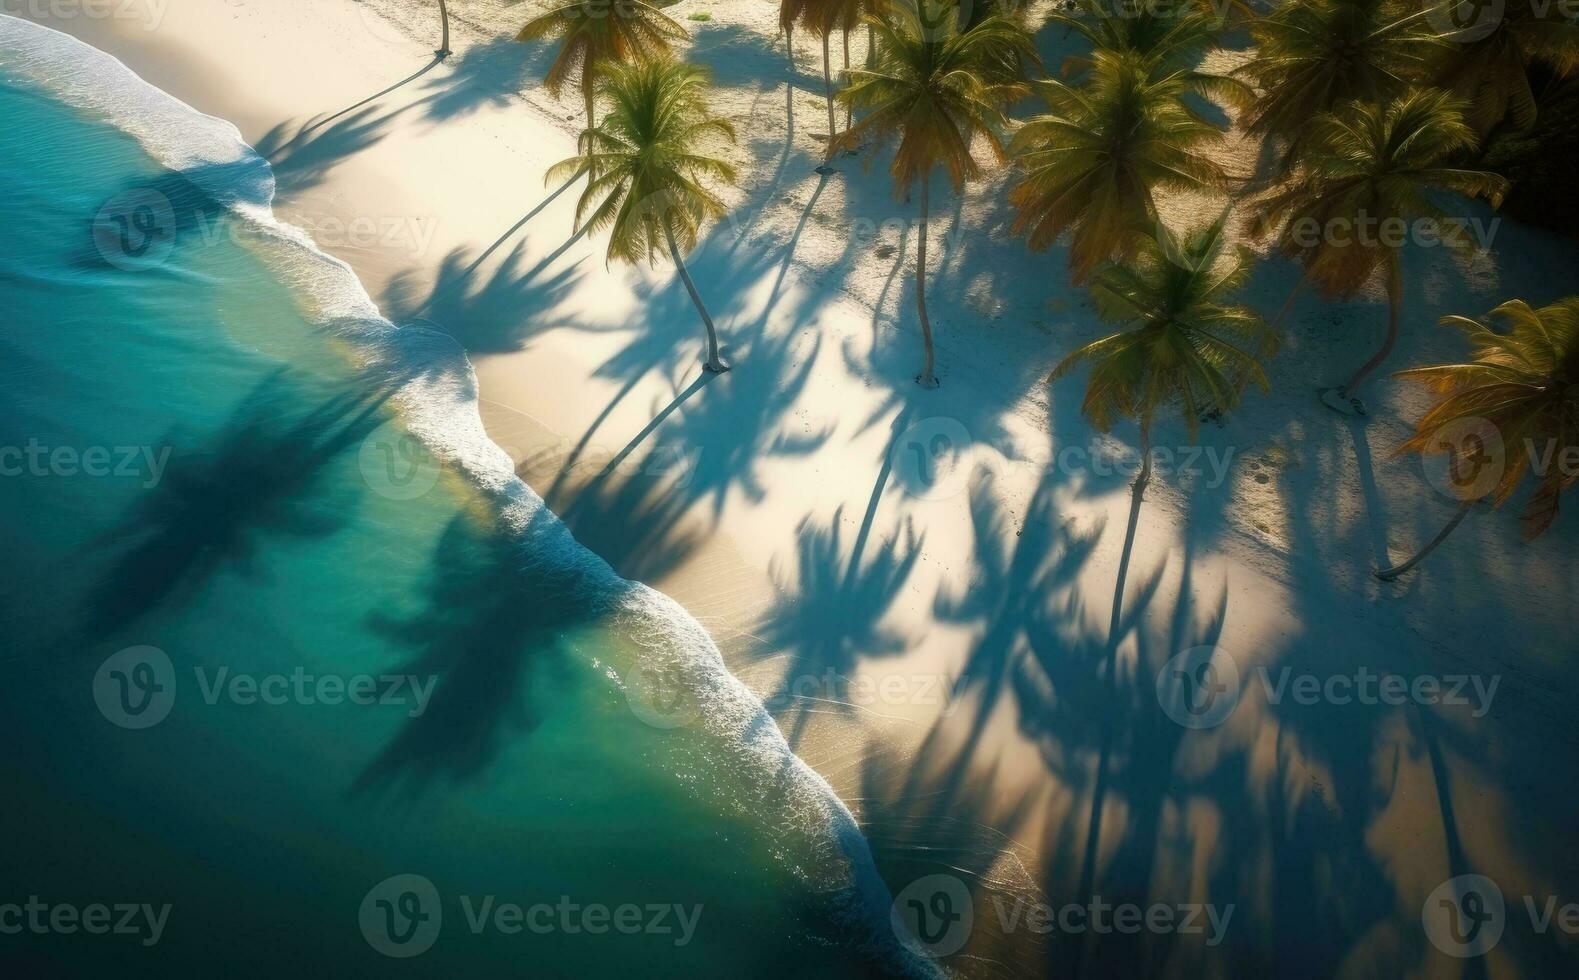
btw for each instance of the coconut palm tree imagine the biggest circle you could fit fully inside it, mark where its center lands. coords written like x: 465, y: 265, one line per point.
x: 595, y: 33
x: 650, y: 157
x: 1181, y: 338
x: 1181, y: 335
x: 937, y: 91
x: 1490, y: 64
x: 822, y: 18
x: 1315, y: 55
x: 1521, y: 389
x: 444, y: 45
x: 1368, y: 178
x: 1094, y: 164
x: 1174, y: 40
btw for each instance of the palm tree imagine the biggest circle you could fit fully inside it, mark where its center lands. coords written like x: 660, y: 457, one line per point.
x: 444, y: 45
x: 1180, y: 336
x: 1173, y: 40
x: 1490, y: 64
x: 1524, y: 386
x: 650, y: 158
x: 1093, y: 164
x: 1368, y: 169
x: 595, y: 33
x: 822, y: 18
x: 935, y: 90
x: 1315, y: 55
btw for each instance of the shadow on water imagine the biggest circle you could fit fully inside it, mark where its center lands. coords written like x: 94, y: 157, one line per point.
x: 222, y: 494
x: 492, y: 621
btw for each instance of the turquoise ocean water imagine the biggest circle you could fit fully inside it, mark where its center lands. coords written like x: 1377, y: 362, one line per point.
x: 230, y: 493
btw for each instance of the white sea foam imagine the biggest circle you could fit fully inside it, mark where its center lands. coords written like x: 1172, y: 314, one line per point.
x: 440, y: 405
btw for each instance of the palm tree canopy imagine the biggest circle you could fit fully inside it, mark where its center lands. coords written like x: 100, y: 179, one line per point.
x: 1175, y: 40
x: 1314, y: 55
x: 936, y: 90
x: 1183, y: 341
x: 1095, y: 162
x: 650, y: 156
x: 1525, y: 383
x: 600, y: 30
x: 1491, y: 70
x: 1375, y: 166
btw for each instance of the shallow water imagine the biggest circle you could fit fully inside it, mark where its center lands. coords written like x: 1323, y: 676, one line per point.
x: 219, y: 518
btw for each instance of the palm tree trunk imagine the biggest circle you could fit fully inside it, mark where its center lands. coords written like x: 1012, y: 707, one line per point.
x: 1099, y: 789
x: 714, y: 363
x: 827, y: 85
x: 1389, y: 574
x: 849, y: 110
x: 1395, y: 302
x: 588, y: 84
x: 871, y: 45
x: 444, y: 46
x: 1293, y: 294
x: 927, y: 378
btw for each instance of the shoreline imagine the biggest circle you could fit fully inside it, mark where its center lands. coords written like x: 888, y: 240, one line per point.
x: 728, y: 558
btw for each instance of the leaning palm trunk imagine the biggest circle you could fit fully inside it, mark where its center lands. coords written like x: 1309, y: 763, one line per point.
x: 1389, y: 574
x: 444, y: 45
x: 714, y: 363
x: 927, y: 379
x: 1395, y: 300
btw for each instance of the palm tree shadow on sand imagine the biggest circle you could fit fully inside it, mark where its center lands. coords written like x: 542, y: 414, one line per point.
x: 496, y: 314
x: 830, y: 616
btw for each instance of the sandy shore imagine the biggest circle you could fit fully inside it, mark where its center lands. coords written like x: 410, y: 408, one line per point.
x: 791, y: 507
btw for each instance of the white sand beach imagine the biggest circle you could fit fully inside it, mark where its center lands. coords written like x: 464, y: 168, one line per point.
x: 794, y: 507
